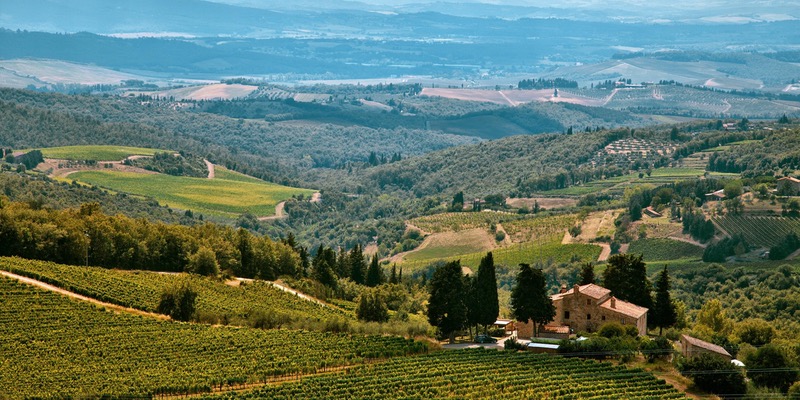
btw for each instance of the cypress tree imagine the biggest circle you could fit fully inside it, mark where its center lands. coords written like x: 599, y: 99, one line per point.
x: 357, y: 267
x: 488, y: 307
x: 446, y: 308
x: 529, y: 299
x: 663, y: 314
x: 374, y: 273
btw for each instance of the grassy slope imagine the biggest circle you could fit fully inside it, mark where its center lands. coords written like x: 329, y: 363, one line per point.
x: 220, y: 197
x: 97, y: 153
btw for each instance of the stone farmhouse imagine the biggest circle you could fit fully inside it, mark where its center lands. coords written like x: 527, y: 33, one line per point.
x: 586, y: 308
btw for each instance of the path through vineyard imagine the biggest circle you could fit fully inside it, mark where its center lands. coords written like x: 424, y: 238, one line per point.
x: 210, y: 167
x: 47, y: 286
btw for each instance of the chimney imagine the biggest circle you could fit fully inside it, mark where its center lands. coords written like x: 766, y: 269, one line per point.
x: 613, y: 302
x: 577, y: 288
x: 563, y: 289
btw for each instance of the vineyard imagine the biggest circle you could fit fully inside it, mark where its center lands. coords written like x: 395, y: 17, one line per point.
x: 475, y: 374
x: 459, y: 221
x: 665, y: 249
x: 759, y: 231
x: 541, y: 229
x: 521, y: 253
x: 53, y: 346
x: 142, y: 290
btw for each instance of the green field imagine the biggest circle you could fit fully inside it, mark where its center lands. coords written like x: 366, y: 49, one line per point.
x: 475, y: 374
x: 218, y: 197
x: 458, y: 221
x: 665, y: 249
x: 216, y: 301
x: 55, y: 347
x: 97, y: 153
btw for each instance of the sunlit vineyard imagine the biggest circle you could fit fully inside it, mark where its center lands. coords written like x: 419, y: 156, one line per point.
x: 54, y: 346
x: 459, y: 221
x: 540, y: 229
x: 142, y: 290
x: 529, y: 253
x: 475, y: 374
x: 759, y: 231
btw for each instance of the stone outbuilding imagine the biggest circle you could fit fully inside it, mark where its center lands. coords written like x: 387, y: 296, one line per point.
x: 692, y: 347
x: 789, y: 185
x: 587, y: 308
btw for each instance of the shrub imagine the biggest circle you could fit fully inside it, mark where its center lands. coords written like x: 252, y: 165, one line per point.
x: 178, y: 302
x: 727, y: 379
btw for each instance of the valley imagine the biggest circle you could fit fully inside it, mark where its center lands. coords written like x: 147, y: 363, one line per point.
x: 238, y: 199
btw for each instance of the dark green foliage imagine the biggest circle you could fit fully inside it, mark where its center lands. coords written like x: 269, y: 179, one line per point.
x: 587, y: 274
x: 486, y: 292
x: 663, y: 313
x: 204, y: 262
x: 727, y: 247
x: 30, y: 159
x: 726, y: 378
x: 372, y: 307
x: 696, y: 224
x: 658, y: 347
x: 458, y: 202
x: 375, y: 275
x: 178, y: 302
x: 626, y: 277
x: 769, y: 366
x: 529, y: 298
x: 787, y: 246
x: 358, y: 266
x: 446, y: 307
x: 173, y: 164
x: 69, y: 236
x: 322, y: 267
x: 770, y: 156
x: 755, y: 331
x: 541, y: 83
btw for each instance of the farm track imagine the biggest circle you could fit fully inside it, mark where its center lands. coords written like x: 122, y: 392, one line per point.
x: 210, y: 167
x: 56, y: 289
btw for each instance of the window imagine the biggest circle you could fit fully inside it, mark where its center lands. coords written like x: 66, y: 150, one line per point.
x: 588, y: 302
x: 588, y: 316
x: 566, y: 314
x: 622, y: 320
x: 603, y: 318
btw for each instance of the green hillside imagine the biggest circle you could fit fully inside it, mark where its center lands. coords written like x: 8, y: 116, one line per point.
x: 217, y: 300
x: 70, y: 348
x: 219, y: 197
x: 96, y: 153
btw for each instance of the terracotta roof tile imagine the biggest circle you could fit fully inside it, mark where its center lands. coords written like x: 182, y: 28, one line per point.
x: 625, y: 308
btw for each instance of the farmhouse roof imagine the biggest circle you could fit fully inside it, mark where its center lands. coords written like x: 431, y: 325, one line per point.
x: 624, y: 308
x: 591, y: 290
x: 502, y: 322
x: 719, y: 193
x: 705, y: 345
x: 790, y: 179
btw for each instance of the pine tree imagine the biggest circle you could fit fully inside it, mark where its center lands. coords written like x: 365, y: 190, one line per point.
x: 529, y: 299
x: 393, y: 276
x: 626, y: 277
x: 486, y: 292
x: 374, y: 273
x: 446, y: 308
x: 663, y: 313
x: 587, y: 274
x: 342, y: 268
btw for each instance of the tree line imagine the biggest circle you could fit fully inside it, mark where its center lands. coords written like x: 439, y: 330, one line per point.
x: 85, y: 236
